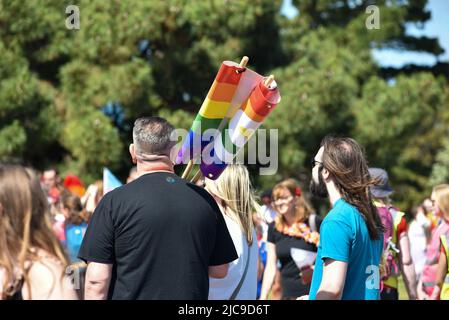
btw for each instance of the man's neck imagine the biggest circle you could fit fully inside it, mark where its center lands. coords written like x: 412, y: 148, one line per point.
x: 154, y: 166
x: 334, y: 194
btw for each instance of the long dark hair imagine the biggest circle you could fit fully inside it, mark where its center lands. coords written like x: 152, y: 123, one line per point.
x: 345, y: 160
x: 77, y: 214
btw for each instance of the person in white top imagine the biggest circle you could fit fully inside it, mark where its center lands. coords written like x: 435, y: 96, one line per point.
x: 419, y: 233
x: 234, y: 195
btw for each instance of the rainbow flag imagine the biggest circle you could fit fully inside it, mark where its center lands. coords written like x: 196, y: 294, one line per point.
x: 241, y: 127
x: 231, y: 87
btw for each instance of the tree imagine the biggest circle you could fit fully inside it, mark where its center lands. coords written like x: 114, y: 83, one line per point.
x: 69, y: 97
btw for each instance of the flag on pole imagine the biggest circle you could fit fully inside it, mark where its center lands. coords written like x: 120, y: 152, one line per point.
x: 231, y: 87
x: 110, y: 182
x: 243, y: 125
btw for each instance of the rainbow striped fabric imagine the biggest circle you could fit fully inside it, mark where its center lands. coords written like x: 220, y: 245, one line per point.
x: 231, y: 87
x: 241, y: 127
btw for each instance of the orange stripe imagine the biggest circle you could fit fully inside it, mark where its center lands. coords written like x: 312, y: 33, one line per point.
x: 249, y: 111
x: 222, y: 91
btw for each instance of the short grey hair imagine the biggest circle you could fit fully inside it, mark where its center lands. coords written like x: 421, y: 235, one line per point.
x: 152, y: 136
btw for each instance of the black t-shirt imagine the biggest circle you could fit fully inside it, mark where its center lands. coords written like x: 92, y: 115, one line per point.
x: 161, y: 234
x: 291, y: 284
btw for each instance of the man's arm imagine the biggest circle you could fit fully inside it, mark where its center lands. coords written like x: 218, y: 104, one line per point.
x: 218, y: 272
x: 407, y: 267
x: 333, y: 280
x: 98, y: 278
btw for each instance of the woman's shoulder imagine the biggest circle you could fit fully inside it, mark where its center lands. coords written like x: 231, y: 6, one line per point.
x: 49, y: 278
x: 44, y: 266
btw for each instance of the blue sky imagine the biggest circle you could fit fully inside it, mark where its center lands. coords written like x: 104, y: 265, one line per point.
x: 437, y: 26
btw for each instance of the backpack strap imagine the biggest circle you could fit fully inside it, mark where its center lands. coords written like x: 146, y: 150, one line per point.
x: 444, y: 242
x: 312, y: 222
x: 397, y: 218
x: 237, y: 289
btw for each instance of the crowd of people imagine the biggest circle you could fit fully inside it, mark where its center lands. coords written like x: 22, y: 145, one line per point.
x: 162, y: 237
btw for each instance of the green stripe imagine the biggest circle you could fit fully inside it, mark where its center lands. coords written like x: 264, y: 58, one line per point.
x: 205, y: 124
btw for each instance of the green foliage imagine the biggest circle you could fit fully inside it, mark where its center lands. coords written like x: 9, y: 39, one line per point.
x: 440, y: 170
x: 399, y: 126
x: 160, y: 57
x: 12, y: 140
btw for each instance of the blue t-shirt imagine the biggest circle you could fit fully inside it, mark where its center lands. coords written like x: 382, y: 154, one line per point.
x: 74, y: 237
x: 344, y: 237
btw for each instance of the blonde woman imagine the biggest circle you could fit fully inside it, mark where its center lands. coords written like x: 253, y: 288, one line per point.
x: 440, y: 207
x: 32, y: 261
x: 295, y: 226
x: 233, y: 194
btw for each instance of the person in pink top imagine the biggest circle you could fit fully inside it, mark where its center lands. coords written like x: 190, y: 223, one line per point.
x: 440, y: 201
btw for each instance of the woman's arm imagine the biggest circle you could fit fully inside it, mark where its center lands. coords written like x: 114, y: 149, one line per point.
x: 407, y: 266
x: 440, y: 276
x: 270, y: 271
x: 422, y: 295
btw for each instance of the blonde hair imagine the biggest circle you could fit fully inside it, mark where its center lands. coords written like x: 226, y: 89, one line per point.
x: 302, y: 208
x: 24, y: 225
x: 442, y: 198
x: 233, y: 187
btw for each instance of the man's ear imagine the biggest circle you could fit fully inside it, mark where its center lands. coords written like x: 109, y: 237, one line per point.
x: 132, y: 152
x: 325, y: 174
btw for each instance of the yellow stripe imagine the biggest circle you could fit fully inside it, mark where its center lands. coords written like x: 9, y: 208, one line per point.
x: 392, y: 282
x: 446, y: 249
x: 444, y: 294
x: 214, y: 109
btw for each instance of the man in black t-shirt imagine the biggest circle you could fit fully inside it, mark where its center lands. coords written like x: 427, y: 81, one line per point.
x: 157, y: 237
